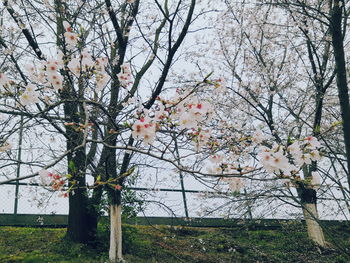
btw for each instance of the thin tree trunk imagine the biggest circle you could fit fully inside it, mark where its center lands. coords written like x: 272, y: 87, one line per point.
x: 314, y: 229
x: 309, y: 206
x: 340, y: 66
x: 115, y: 245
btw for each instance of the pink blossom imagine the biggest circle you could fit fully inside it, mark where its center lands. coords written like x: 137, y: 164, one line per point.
x: 86, y: 60
x: 75, y: 67
x: 101, y: 81
x: 30, y: 96
x: 124, y: 76
x: 258, y: 137
x: 71, y: 39
x: 101, y: 63
x: 45, y: 177
x: 144, y: 130
x: 312, y: 141
x: 186, y: 121
x: 56, y: 80
x: 3, y: 80
x: 216, y: 158
x: 235, y: 184
x: 294, y: 148
x: 52, y: 66
x: 30, y: 68
x: 315, y: 155
x: 67, y: 26
x: 118, y: 187
x: 6, y: 146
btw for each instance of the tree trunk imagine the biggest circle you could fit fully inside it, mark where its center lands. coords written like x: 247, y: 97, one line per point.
x: 78, y: 228
x: 82, y: 218
x: 314, y: 230
x: 309, y: 206
x: 340, y: 66
x: 83, y: 215
x: 115, y: 245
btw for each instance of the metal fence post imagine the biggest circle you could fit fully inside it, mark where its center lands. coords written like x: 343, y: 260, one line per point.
x: 19, y: 160
x: 181, y: 178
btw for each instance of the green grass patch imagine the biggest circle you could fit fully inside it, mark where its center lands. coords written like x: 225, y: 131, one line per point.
x: 175, y: 244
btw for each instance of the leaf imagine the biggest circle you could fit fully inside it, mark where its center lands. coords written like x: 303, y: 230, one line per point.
x: 98, y: 179
x: 130, y: 171
x: 71, y: 166
x: 336, y: 123
x: 317, y: 128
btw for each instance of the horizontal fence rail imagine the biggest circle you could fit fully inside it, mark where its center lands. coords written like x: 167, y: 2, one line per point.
x: 227, y: 193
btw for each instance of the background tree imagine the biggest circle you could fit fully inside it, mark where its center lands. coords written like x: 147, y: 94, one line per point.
x: 105, y: 52
x: 280, y: 60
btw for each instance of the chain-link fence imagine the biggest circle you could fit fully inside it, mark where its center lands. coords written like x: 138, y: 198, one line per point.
x: 179, y: 202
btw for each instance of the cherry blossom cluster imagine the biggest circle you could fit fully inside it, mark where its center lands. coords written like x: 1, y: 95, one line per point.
x: 284, y: 162
x: 70, y: 37
x: 186, y: 112
x: 200, y: 137
x: 144, y: 129
x: 48, y: 74
x: 101, y: 76
x: 225, y: 164
x: 4, y: 82
x: 85, y: 64
x: 289, y: 160
x: 220, y: 164
x: 235, y: 184
x: 52, y: 67
x: 30, y: 95
x: 6, y: 146
x: 194, y: 114
x: 125, y: 77
x: 55, y: 181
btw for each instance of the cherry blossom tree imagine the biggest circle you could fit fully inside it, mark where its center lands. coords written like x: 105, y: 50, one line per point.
x: 278, y: 63
x: 100, y: 76
x: 83, y: 68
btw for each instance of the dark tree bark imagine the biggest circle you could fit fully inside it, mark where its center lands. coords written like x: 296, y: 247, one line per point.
x: 78, y: 229
x: 83, y: 213
x: 339, y: 56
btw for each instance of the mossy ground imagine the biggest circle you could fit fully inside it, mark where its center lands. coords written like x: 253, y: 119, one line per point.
x: 175, y: 244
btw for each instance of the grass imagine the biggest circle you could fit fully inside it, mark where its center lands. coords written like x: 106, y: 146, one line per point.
x: 175, y: 244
